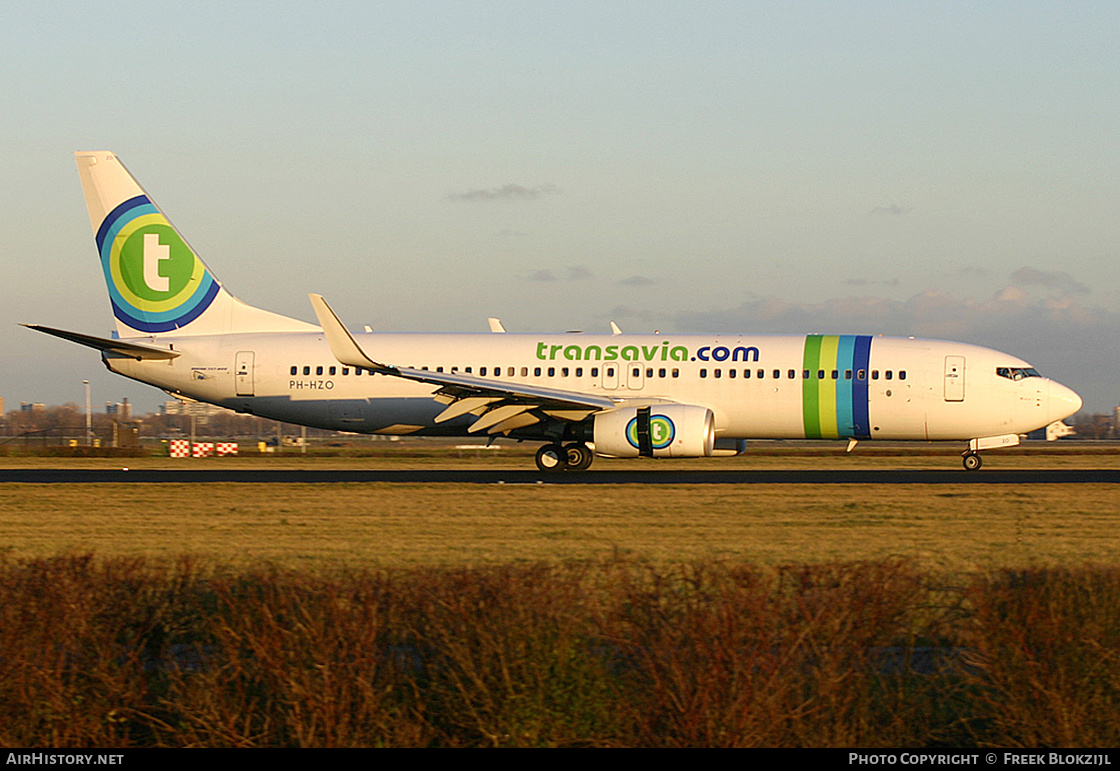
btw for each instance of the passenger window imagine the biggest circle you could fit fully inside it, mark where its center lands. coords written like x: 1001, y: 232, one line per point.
x: 777, y: 373
x: 890, y: 374
x: 730, y: 373
x: 703, y: 373
x: 482, y: 371
x: 552, y: 371
x: 331, y: 371
x: 579, y: 371
x: 295, y: 370
x: 820, y: 374
x: 536, y: 371
x: 902, y: 374
x: 318, y: 370
x: 847, y: 374
x: 861, y: 375
x: 761, y: 374
x: 524, y: 372
x: 307, y: 370
x: 835, y: 375
x: 874, y: 374
x: 594, y: 372
x: 676, y: 372
x: 746, y: 373
x: 718, y: 373
x: 563, y: 372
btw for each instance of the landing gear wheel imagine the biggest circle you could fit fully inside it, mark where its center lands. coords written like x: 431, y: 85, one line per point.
x: 972, y: 461
x: 579, y: 457
x: 551, y: 458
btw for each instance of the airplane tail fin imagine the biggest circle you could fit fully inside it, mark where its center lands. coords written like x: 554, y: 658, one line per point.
x: 156, y: 281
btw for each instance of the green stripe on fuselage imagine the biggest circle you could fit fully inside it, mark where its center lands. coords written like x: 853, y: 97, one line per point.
x: 810, y: 387
x: 818, y: 394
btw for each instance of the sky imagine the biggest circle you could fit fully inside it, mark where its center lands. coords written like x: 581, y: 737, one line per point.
x: 946, y: 170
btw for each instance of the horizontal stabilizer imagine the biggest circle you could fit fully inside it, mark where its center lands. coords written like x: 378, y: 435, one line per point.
x: 120, y: 347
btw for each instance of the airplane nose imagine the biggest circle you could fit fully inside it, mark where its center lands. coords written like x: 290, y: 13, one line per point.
x: 1062, y: 401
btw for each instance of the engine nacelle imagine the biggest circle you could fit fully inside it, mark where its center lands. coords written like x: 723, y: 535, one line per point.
x: 662, y: 431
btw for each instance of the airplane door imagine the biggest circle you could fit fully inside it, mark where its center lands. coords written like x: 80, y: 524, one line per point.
x: 954, y: 378
x: 243, y: 373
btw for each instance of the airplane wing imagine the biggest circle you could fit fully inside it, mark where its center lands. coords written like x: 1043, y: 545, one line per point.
x: 120, y: 347
x: 502, y: 405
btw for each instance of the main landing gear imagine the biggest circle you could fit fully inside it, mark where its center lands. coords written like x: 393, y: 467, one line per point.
x: 572, y: 457
x: 971, y: 461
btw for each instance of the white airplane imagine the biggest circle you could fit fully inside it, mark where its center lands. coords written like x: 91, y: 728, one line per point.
x: 616, y: 395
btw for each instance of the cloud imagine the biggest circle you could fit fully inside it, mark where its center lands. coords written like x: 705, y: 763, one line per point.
x: 1051, y: 279
x: 872, y: 282
x: 573, y: 273
x: 510, y: 192
x: 636, y: 281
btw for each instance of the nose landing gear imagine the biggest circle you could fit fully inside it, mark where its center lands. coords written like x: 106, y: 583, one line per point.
x: 971, y: 461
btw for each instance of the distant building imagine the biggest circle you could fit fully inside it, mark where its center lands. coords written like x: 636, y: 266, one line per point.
x: 122, y: 410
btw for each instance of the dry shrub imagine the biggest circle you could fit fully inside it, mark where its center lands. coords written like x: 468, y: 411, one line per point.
x: 508, y: 656
x: 802, y: 656
x: 1045, y: 663
x: 289, y: 660
x: 114, y: 653
x: 72, y: 634
x: 479, y: 657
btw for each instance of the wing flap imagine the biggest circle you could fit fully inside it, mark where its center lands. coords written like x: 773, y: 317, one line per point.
x: 463, y: 406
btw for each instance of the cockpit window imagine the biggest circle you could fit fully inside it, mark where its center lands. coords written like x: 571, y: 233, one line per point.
x: 1017, y: 373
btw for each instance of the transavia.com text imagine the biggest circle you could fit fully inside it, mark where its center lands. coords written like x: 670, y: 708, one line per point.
x: 977, y: 759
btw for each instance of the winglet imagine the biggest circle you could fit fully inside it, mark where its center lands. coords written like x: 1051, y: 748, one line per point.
x: 496, y: 325
x: 343, y: 345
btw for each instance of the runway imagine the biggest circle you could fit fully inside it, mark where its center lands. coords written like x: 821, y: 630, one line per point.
x: 592, y: 477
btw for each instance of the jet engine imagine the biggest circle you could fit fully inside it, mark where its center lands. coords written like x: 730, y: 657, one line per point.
x: 661, y: 431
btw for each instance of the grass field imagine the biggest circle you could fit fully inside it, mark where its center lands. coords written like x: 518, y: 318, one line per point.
x: 942, y: 527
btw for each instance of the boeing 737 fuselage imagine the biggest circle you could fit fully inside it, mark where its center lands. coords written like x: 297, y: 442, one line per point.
x: 580, y: 395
